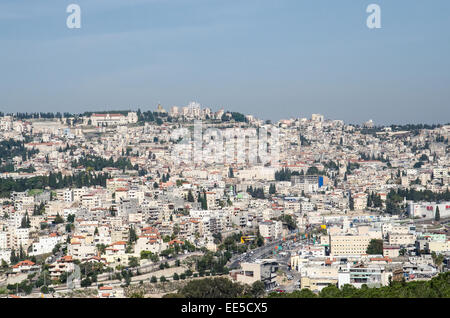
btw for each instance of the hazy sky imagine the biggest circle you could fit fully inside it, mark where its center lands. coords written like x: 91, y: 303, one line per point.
x: 271, y: 58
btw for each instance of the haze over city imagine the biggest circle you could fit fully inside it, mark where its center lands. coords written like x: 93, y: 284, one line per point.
x: 271, y: 59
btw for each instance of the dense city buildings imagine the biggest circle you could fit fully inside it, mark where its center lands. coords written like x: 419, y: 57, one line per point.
x: 110, y: 202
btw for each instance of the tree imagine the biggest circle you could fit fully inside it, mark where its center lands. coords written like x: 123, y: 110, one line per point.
x: 86, y: 282
x: 14, y: 259
x: 272, y: 189
x: 133, y: 262
x: 438, y: 259
x: 162, y: 279
x: 331, y: 291
x: 351, y: 203
x: 190, y: 197
x: 137, y: 294
x: 25, y: 223
x: 153, y: 279
x: 375, y: 247
x: 58, y: 219
x: 176, y: 277
x: 437, y: 216
x: 203, y: 201
x: 258, y: 289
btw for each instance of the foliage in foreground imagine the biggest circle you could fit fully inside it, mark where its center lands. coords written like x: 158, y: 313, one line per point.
x: 219, y: 287
x: 437, y: 287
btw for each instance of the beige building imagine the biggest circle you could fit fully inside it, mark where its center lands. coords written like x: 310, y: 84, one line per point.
x: 349, y: 245
x: 391, y: 251
x: 438, y: 247
x: 316, y: 284
x: 401, y: 239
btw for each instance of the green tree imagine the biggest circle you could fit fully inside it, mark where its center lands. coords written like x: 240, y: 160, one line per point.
x: 351, y: 203
x: 257, y: 289
x: 438, y: 259
x: 437, y: 216
x: 58, y: 219
x: 272, y: 189
x: 190, y: 197
x: 133, y: 262
x: 331, y: 291
x: 375, y: 247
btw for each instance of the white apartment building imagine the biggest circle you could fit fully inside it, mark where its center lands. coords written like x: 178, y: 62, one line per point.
x: 45, y: 244
x: 271, y: 229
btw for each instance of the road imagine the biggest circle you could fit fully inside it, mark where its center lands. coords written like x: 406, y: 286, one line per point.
x: 258, y: 253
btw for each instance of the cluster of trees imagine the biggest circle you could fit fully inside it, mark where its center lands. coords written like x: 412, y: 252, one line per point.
x: 441, y: 138
x: 414, y: 127
x: 98, y: 163
x: 39, y: 209
x: 437, y: 287
x: 24, y: 286
x: 150, y: 116
x: 257, y: 193
x: 414, y: 195
x: 89, y: 272
x: 231, y: 243
x: 284, y: 174
x: 21, y: 255
x: 11, y: 148
x: 372, y: 157
x: 176, y: 248
x: 374, y: 201
x: 213, y: 263
x: 313, y: 171
x: 48, y: 115
x: 149, y: 255
x: 289, y: 221
x: 272, y: 189
x: 53, y: 180
x: 165, y: 177
x: 67, y: 148
x: 218, y: 287
x: 237, y: 117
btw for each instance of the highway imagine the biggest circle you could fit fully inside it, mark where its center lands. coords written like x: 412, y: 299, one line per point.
x: 264, y: 251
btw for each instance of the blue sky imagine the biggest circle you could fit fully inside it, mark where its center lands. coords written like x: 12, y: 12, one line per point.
x: 271, y: 58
